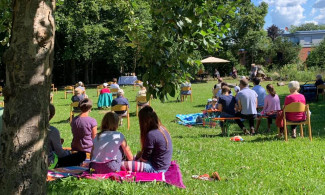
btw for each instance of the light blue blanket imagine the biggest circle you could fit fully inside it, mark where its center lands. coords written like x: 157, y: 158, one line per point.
x: 188, y: 119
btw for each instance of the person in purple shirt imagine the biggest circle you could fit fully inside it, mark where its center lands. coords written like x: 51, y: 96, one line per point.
x: 84, y: 128
x: 247, y: 104
x: 271, y: 107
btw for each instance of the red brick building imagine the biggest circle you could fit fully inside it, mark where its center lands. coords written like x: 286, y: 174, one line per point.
x: 307, y: 39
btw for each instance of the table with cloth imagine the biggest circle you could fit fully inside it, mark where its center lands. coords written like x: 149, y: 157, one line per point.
x: 105, y: 100
x: 127, y: 80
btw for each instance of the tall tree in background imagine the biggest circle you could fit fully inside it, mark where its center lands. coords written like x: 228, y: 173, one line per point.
x: 29, y: 59
x: 273, y: 32
x: 181, y: 31
x: 306, y: 27
x: 317, y: 56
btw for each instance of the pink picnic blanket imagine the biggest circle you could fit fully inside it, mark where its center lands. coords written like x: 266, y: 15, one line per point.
x: 172, y: 176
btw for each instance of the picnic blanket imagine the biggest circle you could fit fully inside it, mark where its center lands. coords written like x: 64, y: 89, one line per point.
x: 172, y: 176
x: 188, y: 119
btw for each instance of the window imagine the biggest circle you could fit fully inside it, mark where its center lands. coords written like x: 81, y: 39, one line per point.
x: 307, y: 40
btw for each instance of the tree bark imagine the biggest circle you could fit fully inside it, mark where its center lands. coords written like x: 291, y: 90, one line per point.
x: 29, y: 63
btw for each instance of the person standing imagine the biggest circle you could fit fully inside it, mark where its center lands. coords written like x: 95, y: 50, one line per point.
x: 253, y: 71
x: 216, y: 74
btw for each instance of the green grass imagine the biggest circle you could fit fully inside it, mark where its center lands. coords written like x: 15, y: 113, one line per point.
x: 262, y: 164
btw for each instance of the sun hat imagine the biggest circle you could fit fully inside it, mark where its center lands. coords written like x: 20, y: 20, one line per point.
x: 209, y: 100
x: 105, y: 84
x: 237, y: 88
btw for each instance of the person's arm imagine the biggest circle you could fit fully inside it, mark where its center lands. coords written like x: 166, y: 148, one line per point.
x: 55, y: 140
x: 93, y: 132
x: 239, y: 106
x: 256, y: 103
x: 127, y: 150
x: 220, y: 107
x: 148, y: 148
x: 91, y: 153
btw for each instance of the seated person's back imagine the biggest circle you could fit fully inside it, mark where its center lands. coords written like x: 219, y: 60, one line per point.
x: 78, y: 96
x: 114, y: 85
x: 186, y: 92
x: 120, y: 100
x: 260, y: 91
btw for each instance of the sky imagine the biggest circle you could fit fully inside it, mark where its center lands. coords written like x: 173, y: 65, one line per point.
x: 284, y: 13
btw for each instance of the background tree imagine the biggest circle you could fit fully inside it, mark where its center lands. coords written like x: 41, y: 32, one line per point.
x: 273, y: 32
x: 29, y: 58
x: 180, y: 32
x: 285, y: 51
x: 5, y: 27
x: 317, y: 56
x: 306, y: 27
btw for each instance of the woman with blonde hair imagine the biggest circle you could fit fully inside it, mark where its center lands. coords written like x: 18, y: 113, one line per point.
x: 109, y: 146
x: 294, y: 96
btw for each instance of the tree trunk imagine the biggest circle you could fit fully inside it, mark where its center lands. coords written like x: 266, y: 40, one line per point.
x: 86, y: 75
x: 73, y: 72
x: 29, y: 62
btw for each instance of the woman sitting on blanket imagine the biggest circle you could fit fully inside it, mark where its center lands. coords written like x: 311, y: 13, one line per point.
x: 109, y: 146
x: 226, y: 106
x: 271, y: 107
x: 84, y: 128
x: 157, y: 148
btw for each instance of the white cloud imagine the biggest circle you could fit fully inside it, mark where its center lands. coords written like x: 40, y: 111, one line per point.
x: 320, y: 18
x: 287, y: 12
x: 311, y: 21
x: 319, y: 4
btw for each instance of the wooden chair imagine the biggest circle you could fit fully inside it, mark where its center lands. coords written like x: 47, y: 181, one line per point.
x: 54, y: 89
x: 99, y: 87
x: 322, y: 87
x: 114, y: 92
x: 73, y: 105
x: 0, y: 90
x: 136, y: 83
x: 2, y: 104
x: 297, y: 107
x: 123, y: 108
x: 140, y: 99
x: 186, y: 89
x: 68, y: 89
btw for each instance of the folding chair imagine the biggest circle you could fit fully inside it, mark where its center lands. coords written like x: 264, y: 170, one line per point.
x: 186, y: 89
x: 99, y: 87
x: 72, y: 112
x: 51, y: 98
x: 322, y: 87
x: 123, y: 108
x: 136, y: 83
x: 141, y: 99
x: 114, y: 92
x: 54, y: 89
x: 296, y: 107
x: 68, y: 89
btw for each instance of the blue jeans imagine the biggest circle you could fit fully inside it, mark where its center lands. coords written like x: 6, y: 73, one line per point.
x: 149, y: 168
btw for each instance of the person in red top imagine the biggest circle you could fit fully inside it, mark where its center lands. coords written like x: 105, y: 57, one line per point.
x: 105, y: 89
x: 105, y: 98
x: 294, y: 97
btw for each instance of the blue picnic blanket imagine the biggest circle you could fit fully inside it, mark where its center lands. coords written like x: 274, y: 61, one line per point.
x: 188, y: 119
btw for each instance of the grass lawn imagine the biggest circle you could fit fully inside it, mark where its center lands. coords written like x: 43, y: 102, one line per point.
x: 262, y: 164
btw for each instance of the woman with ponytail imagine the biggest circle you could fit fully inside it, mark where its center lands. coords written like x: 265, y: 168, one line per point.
x: 271, y: 107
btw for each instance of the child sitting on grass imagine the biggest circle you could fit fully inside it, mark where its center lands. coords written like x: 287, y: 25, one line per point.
x: 109, y: 146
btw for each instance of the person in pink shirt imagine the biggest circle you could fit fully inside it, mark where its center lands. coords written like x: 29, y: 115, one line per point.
x: 294, y: 97
x: 271, y: 107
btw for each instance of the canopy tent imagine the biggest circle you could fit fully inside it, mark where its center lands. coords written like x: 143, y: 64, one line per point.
x: 214, y: 60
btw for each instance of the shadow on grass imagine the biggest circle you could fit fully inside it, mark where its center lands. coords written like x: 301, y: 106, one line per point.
x: 61, y: 121
x: 200, y: 106
x: 265, y: 139
x: 211, y: 135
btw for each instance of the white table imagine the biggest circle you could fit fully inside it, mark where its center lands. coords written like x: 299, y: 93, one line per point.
x: 127, y: 80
